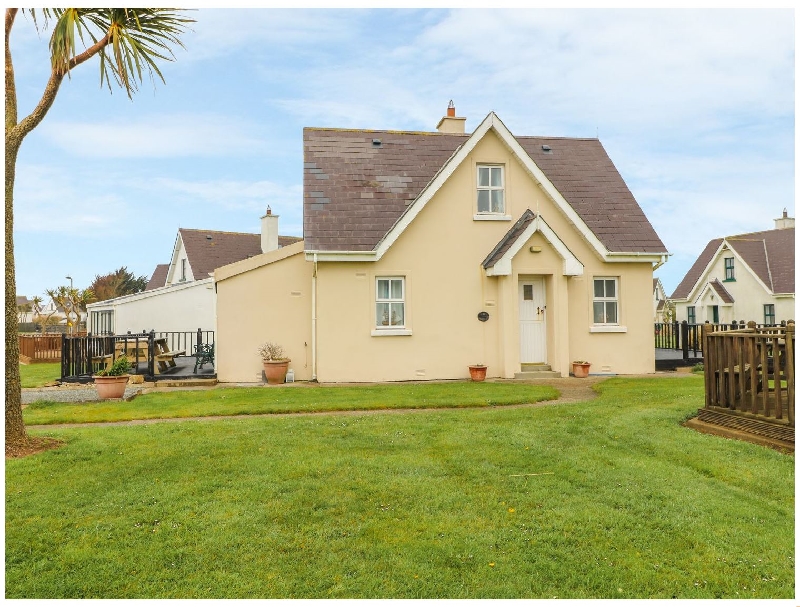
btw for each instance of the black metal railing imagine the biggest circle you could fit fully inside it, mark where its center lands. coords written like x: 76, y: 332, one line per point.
x: 689, y: 337
x: 83, y: 356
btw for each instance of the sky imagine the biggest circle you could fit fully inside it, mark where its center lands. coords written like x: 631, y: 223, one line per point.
x: 696, y: 109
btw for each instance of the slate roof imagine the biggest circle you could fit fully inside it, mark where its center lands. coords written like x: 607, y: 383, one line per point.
x: 770, y: 254
x: 507, y: 241
x: 208, y: 250
x: 22, y: 300
x: 357, y: 184
x: 159, y: 277
x: 721, y: 291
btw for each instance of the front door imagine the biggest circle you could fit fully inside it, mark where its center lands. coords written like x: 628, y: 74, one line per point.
x: 532, y: 321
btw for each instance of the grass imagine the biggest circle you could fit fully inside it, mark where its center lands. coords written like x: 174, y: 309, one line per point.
x: 37, y: 375
x: 295, y: 399
x: 610, y: 498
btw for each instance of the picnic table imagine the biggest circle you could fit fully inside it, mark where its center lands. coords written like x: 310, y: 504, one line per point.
x: 164, y: 358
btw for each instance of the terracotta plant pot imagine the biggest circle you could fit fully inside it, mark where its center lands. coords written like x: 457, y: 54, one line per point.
x: 275, y: 371
x: 477, y: 372
x: 581, y: 369
x: 110, y: 386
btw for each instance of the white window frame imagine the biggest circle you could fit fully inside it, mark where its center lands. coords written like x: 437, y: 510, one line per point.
x: 183, y: 269
x: 730, y: 272
x: 606, y: 327
x: 484, y: 215
x: 399, y: 329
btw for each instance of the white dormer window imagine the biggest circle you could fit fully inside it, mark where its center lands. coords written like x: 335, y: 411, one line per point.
x: 491, y: 190
x: 183, y: 269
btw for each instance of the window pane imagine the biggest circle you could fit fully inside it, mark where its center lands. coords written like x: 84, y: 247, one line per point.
x: 483, y: 201
x: 483, y: 177
x: 598, y: 288
x: 527, y: 292
x: 611, y: 312
x: 497, y: 201
x: 397, y: 289
x: 497, y: 177
x: 382, y: 315
x: 611, y: 288
x: 398, y: 310
x: 598, y: 313
x: 383, y: 289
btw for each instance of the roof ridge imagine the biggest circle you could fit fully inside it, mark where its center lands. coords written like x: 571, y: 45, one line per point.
x: 217, y: 231
x: 397, y: 132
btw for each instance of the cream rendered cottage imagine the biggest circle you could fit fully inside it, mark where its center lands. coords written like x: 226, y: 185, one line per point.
x: 424, y: 253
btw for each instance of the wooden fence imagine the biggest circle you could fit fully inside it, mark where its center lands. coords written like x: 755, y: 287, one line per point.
x: 40, y: 348
x: 750, y: 373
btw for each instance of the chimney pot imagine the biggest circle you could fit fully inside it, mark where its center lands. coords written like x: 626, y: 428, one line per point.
x: 451, y: 109
x: 269, y: 210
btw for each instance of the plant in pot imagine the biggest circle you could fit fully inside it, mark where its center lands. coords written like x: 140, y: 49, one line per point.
x: 477, y: 372
x: 275, y: 362
x: 111, y: 382
x: 580, y: 368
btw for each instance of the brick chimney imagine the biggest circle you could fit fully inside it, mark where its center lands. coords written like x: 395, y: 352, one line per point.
x: 269, y: 232
x: 451, y: 123
x: 784, y: 222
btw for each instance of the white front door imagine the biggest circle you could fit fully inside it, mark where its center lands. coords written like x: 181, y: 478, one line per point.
x: 532, y: 321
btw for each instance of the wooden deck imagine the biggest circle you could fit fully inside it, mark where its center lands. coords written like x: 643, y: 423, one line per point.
x: 749, y: 381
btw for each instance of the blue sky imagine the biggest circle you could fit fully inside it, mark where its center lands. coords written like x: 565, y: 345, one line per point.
x: 695, y: 108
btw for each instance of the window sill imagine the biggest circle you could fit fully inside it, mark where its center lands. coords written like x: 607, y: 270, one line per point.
x: 491, y: 217
x: 729, y: 280
x: 390, y: 332
x: 608, y: 329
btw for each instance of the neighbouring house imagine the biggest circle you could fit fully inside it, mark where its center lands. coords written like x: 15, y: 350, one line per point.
x: 747, y: 277
x: 24, y: 309
x: 426, y: 252
x: 180, y: 295
x: 659, y: 301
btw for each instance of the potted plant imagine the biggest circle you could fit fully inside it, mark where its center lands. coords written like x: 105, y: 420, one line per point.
x: 275, y: 362
x: 477, y: 372
x: 111, y: 382
x: 580, y: 368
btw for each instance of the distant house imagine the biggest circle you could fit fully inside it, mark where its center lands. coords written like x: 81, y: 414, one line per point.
x: 427, y: 252
x: 743, y: 277
x: 180, y: 295
x: 659, y: 300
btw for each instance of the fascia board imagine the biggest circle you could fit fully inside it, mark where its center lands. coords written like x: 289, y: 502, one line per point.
x: 342, y: 255
x: 257, y: 261
x: 621, y: 257
x: 704, y: 275
x: 174, y: 261
x: 436, y: 183
x: 749, y: 269
x: 572, y: 266
x: 540, y: 178
x: 111, y: 303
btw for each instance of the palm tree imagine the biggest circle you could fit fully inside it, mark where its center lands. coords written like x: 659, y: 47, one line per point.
x: 128, y: 42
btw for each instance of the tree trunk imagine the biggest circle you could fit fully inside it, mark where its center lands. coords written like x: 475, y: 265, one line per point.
x: 15, y: 427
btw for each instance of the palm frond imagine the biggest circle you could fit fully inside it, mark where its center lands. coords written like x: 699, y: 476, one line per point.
x: 132, y: 40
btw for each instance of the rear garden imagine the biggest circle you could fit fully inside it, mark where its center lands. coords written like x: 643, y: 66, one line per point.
x: 608, y: 498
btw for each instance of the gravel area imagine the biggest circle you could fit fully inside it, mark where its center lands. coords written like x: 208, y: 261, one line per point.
x: 80, y: 394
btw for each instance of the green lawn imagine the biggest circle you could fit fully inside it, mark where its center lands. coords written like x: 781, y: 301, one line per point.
x: 610, y: 498
x: 290, y: 399
x: 37, y: 375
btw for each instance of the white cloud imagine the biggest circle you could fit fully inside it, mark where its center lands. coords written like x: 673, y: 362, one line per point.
x: 161, y: 136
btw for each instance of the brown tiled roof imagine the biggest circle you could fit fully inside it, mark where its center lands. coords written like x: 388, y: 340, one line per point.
x: 22, y: 300
x: 509, y: 239
x: 721, y: 291
x: 769, y: 254
x: 358, y: 183
x: 159, y: 277
x: 208, y: 250
x: 693, y: 275
x: 584, y: 175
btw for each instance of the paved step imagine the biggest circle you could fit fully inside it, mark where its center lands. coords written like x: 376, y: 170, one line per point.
x: 536, y: 375
x: 533, y: 367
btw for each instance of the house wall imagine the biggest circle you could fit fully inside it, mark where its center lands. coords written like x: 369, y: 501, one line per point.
x: 174, y: 274
x: 748, y: 293
x: 184, y: 307
x: 440, y: 255
x: 260, y: 299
